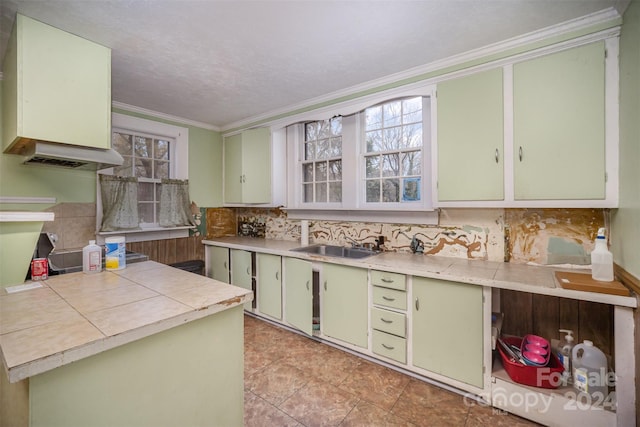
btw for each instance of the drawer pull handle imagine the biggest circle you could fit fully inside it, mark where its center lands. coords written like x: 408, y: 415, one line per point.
x: 385, y: 320
x: 417, y: 304
x: 325, y: 285
x: 387, y: 280
x: 248, y: 272
x: 307, y: 285
x: 388, y: 347
x: 225, y: 264
x: 277, y: 275
x: 388, y: 298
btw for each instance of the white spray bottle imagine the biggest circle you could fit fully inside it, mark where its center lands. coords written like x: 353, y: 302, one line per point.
x: 601, y: 259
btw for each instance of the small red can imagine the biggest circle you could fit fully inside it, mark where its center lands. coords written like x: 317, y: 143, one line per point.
x: 39, y: 269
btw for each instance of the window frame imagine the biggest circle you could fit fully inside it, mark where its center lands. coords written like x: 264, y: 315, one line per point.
x: 179, y: 170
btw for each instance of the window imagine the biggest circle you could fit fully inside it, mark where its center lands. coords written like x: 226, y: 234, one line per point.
x: 393, y: 153
x: 322, y: 161
x: 148, y: 158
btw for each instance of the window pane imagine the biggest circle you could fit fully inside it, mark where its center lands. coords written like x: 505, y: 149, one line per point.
x: 144, y: 168
x: 321, y: 171
x: 411, y: 190
x: 322, y: 149
x: 336, y: 126
x: 391, y: 165
x: 336, y: 147
x: 412, y: 163
x: 412, y: 110
x: 373, y: 166
x: 335, y: 170
x: 321, y: 192
x: 143, y: 146
x: 145, y: 212
x: 373, y: 191
x: 392, y: 138
x: 310, y: 131
x: 390, y: 190
x: 392, y: 113
x: 374, y: 141
x: 145, y: 191
x: 122, y: 143
x: 307, y: 172
x: 324, y: 130
x: 412, y: 136
x: 335, y: 192
x: 161, y: 149
x: 309, y: 151
x: 161, y: 170
x: 373, y: 118
x: 126, y: 169
x: 307, y: 190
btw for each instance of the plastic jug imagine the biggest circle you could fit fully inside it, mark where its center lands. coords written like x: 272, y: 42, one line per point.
x: 590, y: 370
x: 601, y: 259
x: 92, y: 258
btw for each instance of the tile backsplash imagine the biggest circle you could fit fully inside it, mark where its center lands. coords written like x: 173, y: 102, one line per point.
x: 74, y: 224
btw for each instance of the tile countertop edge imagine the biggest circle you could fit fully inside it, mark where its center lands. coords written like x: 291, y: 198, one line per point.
x: 283, y: 248
x: 29, y: 369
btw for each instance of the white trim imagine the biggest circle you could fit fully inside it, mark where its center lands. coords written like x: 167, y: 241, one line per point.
x: 522, y: 41
x: 424, y: 217
x: 20, y: 200
x: 146, y: 234
x: 163, y: 116
x: 14, y: 216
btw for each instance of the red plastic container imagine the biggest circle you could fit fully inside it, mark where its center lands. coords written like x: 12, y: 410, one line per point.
x: 544, y: 377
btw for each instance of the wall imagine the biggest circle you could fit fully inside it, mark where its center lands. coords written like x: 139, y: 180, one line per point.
x: 625, y: 222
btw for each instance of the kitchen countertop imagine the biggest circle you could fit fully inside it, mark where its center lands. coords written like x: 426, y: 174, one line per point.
x: 74, y: 316
x: 503, y: 275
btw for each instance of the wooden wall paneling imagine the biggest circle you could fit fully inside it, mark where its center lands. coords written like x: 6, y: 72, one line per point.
x: 517, y: 309
x: 182, y: 250
x: 545, y: 316
x: 596, y: 324
x: 569, y: 317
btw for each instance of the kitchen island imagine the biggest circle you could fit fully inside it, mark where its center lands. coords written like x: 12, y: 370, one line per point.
x: 146, y: 345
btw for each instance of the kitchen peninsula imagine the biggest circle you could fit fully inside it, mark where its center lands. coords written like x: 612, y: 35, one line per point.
x: 145, y: 345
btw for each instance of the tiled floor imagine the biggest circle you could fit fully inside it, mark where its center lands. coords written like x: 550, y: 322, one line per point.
x: 291, y: 380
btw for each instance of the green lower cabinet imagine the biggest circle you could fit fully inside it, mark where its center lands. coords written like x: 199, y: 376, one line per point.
x: 217, y: 263
x: 269, y: 285
x: 298, y: 296
x: 447, y: 329
x: 241, y: 272
x: 390, y: 346
x: 344, y: 292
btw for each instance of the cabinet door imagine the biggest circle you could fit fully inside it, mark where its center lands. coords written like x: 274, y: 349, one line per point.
x: 559, y: 135
x: 269, y: 286
x: 217, y: 263
x: 233, y: 169
x: 345, y: 304
x: 298, y: 285
x: 241, y: 272
x: 447, y: 329
x: 470, y: 137
x: 256, y: 166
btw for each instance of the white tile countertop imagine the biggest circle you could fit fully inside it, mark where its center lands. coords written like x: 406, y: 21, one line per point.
x: 503, y: 275
x: 73, y: 316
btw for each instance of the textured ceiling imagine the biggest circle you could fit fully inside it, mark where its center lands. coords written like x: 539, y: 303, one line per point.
x: 221, y: 62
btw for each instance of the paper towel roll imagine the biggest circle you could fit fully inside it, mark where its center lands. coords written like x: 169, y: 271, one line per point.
x: 304, y: 232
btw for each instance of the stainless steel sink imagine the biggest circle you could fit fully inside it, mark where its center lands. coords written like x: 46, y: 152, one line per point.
x: 337, y: 251
x: 71, y: 261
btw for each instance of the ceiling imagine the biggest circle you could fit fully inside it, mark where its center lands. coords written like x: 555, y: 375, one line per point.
x: 221, y: 63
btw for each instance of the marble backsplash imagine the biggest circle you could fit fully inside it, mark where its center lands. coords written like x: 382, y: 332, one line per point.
x: 539, y: 236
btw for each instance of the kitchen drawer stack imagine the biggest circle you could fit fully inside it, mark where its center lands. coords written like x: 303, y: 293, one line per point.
x: 388, y: 315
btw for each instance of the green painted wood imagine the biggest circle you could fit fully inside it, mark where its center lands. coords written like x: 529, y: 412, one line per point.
x: 470, y: 130
x: 17, y: 242
x: 559, y: 113
x: 389, y: 345
x: 390, y: 297
x: 63, y: 87
x: 345, y: 304
x: 191, y: 375
x: 389, y: 280
x: 269, y: 284
x: 447, y: 329
x: 389, y: 321
x: 241, y: 272
x: 298, y: 284
x: 233, y: 169
x: 218, y: 263
x: 247, y: 167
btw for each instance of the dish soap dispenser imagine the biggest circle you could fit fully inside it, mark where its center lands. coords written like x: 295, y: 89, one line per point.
x: 92, y: 258
x: 601, y: 260
x: 564, y: 355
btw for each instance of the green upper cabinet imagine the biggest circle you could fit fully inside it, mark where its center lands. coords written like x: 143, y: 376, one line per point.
x: 345, y: 304
x: 470, y: 137
x: 247, y: 167
x: 269, y: 285
x: 298, y: 283
x: 447, y: 329
x: 559, y: 125
x: 57, y: 87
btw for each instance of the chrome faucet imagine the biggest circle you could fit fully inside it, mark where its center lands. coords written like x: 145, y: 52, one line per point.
x: 354, y: 243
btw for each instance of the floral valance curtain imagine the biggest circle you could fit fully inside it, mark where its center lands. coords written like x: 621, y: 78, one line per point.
x: 119, y: 203
x: 175, y: 204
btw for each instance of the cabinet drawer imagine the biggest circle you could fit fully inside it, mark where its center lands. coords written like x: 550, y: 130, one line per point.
x: 390, y: 298
x: 388, y: 280
x: 388, y: 321
x: 390, y: 346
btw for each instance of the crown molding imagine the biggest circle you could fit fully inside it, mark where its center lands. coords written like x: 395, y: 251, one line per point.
x: 601, y: 17
x: 163, y: 116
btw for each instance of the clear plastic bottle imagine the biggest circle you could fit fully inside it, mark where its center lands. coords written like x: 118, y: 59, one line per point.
x: 564, y: 355
x: 601, y: 259
x: 590, y: 374
x: 92, y: 258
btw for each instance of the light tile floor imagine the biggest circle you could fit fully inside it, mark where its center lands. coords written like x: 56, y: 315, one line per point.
x: 291, y: 380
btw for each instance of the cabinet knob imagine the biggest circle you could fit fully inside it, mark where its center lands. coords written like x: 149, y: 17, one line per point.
x: 520, y: 153
x: 497, y: 156
x: 248, y: 271
x: 325, y: 285
x: 417, y: 304
x: 225, y: 264
x: 277, y: 275
x: 307, y: 285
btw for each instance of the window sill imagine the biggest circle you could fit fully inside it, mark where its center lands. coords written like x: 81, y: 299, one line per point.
x: 146, y: 234
x: 425, y: 217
